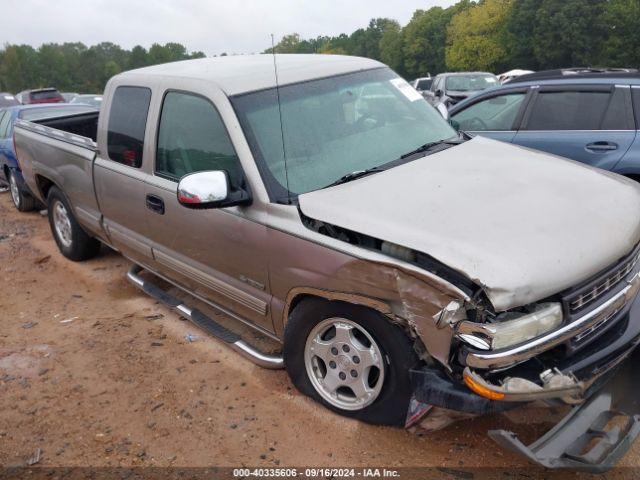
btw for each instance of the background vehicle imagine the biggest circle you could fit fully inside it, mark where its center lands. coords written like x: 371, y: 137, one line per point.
x: 41, y: 95
x: 511, y: 74
x: 62, y: 116
x: 93, y: 100
x: 68, y: 96
x: 591, y: 117
x: 422, y: 84
x: 289, y: 228
x: 451, y: 88
x: 8, y: 100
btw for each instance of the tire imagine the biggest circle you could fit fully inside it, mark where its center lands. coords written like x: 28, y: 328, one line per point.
x: 389, y: 402
x: 72, y: 240
x: 21, y: 200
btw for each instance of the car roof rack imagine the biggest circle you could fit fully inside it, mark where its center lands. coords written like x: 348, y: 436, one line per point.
x: 577, y: 72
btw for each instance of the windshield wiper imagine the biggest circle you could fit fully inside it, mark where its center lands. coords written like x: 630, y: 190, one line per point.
x: 355, y: 175
x: 427, y: 147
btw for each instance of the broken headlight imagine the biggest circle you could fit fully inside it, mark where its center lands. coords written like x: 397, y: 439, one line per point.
x: 511, y: 328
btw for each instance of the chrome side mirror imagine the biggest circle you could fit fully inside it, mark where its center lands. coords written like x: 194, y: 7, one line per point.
x: 204, y: 189
x: 442, y: 109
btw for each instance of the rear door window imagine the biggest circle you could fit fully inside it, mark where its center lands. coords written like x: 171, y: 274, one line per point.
x: 493, y: 114
x: 5, y: 119
x: 193, y: 138
x: 568, y: 110
x: 127, y: 124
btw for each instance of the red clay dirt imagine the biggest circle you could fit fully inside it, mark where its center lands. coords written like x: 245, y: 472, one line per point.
x: 94, y: 373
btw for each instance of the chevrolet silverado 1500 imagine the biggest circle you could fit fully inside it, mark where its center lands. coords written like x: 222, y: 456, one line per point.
x: 407, y: 269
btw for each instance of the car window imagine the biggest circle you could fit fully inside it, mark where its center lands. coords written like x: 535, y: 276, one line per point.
x: 570, y: 110
x: 127, y: 123
x: 636, y: 103
x: 424, y: 84
x: 470, y: 83
x: 334, y: 126
x: 493, y: 114
x: 193, y: 138
x: 5, y: 119
x: 619, y: 114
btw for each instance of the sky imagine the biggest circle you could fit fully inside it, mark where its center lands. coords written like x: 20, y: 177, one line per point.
x: 211, y: 26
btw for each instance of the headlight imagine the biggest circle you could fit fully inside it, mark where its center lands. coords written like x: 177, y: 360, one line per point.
x: 508, y: 332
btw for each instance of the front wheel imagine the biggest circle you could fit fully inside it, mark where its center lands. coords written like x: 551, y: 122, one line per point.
x: 21, y: 200
x: 351, y: 359
x: 72, y: 240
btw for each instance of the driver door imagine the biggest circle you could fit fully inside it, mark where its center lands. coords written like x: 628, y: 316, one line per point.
x: 496, y: 116
x: 218, y: 254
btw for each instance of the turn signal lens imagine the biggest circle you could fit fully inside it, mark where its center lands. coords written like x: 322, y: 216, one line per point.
x: 482, y: 390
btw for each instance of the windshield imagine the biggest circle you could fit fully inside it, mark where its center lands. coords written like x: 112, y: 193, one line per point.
x: 469, y: 83
x: 45, y: 95
x: 424, y: 84
x: 334, y: 126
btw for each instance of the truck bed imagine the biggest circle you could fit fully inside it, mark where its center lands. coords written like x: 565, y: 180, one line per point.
x: 61, y: 151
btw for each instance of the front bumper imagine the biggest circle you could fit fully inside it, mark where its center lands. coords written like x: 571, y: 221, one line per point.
x: 608, y: 312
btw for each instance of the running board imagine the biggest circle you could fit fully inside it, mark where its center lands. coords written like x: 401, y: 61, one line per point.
x: 210, y: 326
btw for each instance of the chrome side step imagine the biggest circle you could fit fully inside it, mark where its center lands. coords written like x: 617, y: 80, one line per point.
x: 207, y: 324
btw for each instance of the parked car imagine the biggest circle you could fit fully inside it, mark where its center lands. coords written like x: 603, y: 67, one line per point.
x: 450, y: 88
x: 94, y: 100
x: 8, y: 100
x: 69, y: 96
x: 590, y: 117
x: 422, y: 84
x: 41, y: 95
x: 511, y: 74
x: 406, y: 269
x: 65, y: 116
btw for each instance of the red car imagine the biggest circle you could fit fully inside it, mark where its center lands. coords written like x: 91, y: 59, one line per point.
x: 41, y: 95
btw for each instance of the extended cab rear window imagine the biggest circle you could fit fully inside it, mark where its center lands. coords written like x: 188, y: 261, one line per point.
x: 127, y: 124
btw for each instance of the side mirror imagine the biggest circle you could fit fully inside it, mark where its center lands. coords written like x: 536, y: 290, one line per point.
x: 438, y: 93
x: 442, y: 110
x: 209, y: 189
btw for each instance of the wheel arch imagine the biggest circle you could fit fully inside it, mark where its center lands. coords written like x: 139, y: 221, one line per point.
x: 296, y: 295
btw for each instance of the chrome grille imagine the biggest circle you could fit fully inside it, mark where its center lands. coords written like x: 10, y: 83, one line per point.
x: 604, y: 285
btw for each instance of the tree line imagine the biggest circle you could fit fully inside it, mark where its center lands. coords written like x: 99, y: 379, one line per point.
x: 74, y: 67
x: 493, y: 35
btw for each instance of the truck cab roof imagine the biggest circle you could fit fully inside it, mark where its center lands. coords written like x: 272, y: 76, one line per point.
x: 247, y: 73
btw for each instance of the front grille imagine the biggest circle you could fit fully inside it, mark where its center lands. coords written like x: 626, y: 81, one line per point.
x: 604, y: 283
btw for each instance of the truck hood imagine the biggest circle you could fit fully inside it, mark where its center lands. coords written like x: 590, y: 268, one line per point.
x: 521, y: 223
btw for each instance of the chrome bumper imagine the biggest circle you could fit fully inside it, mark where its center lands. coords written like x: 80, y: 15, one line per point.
x: 525, y: 351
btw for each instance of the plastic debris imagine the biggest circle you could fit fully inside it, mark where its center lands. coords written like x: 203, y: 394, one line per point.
x: 191, y: 338
x: 35, y: 458
x: 69, y: 320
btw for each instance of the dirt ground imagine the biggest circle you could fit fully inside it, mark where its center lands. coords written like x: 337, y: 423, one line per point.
x: 94, y: 373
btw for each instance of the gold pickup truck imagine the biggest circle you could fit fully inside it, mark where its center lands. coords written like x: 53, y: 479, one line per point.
x: 408, y: 270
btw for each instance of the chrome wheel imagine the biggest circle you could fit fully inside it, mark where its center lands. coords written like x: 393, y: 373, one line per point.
x: 344, y: 363
x: 62, y: 223
x: 15, y: 192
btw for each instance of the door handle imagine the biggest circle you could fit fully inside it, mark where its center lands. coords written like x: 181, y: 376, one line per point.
x: 155, y: 204
x: 601, y: 146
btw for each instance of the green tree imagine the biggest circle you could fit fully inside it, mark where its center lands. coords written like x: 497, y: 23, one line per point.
x: 477, y: 37
x: 569, y: 33
x: 425, y: 37
x: 520, y: 26
x: 391, y: 47
x: 621, y: 19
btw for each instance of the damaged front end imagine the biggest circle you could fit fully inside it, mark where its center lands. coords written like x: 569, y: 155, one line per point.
x: 573, y: 350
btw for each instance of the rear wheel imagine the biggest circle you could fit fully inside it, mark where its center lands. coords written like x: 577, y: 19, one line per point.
x: 351, y: 359
x: 21, y: 200
x: 72, y: 240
